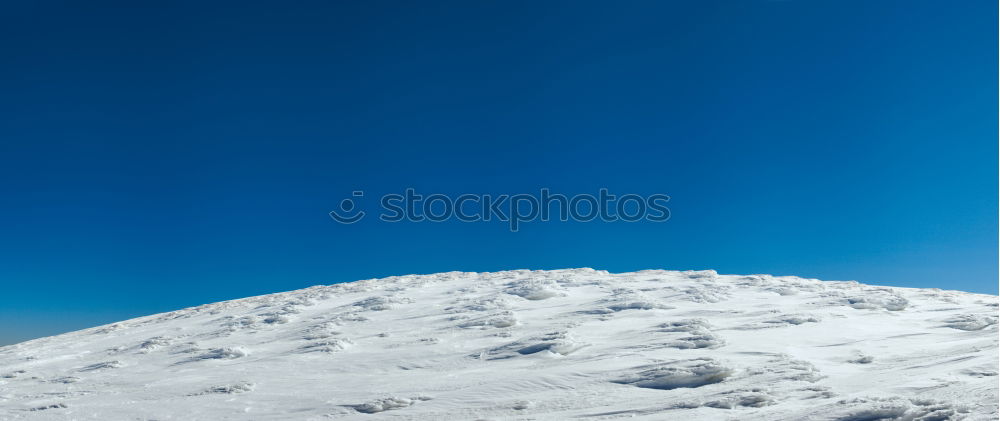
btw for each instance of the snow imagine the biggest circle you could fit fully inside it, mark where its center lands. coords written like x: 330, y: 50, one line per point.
x: 541, y: 345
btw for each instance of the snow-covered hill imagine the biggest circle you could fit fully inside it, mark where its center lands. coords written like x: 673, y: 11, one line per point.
x: 565, y: 344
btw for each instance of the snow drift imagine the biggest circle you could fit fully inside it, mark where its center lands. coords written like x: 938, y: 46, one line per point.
x: 524, y: 344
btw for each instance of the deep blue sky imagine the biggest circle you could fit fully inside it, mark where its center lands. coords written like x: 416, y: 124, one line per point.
x: 154, y: 158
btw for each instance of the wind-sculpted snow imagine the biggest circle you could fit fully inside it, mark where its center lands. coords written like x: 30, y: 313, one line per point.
x: 673, y: 375
x: 538, y: 345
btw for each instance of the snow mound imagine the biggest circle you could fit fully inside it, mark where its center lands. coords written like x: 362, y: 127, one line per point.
x: 677, y: 374
x: 879, y: 299
x: 387, y: 404
x: 971, y: 322
x: 755, y: 398
x: 899, y: 409
x: 539, y: 345
x: 227, y: 353
x: 229, y: 389
x: 534, y: 290
x: 551, y: 344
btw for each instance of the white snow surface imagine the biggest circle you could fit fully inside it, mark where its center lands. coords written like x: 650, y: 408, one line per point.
x: 531, y: 345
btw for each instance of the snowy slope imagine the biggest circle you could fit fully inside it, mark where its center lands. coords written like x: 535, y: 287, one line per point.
x: 559, y: 345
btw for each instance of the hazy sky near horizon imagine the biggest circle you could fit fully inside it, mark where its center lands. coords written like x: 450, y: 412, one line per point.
x: 154, y: 157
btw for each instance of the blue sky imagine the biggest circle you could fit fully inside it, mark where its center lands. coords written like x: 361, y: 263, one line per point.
x: 154, y: 158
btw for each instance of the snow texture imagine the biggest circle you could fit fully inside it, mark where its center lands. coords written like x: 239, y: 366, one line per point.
x: 538, y: 345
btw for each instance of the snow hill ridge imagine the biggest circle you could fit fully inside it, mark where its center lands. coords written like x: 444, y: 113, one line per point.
x: 539, y: 345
